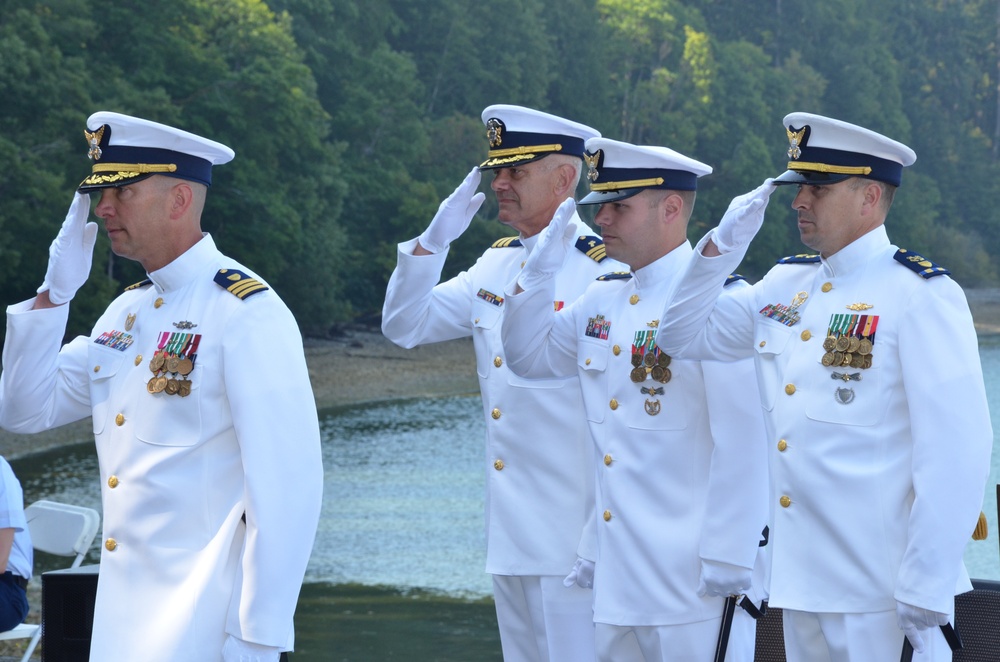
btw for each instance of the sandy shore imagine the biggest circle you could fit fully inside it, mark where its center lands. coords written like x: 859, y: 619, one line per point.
x: 362, y: 366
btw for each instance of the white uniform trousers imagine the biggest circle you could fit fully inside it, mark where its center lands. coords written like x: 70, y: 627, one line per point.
x: 541, y: 620
x: 820, y: 637
x: 688, y: 642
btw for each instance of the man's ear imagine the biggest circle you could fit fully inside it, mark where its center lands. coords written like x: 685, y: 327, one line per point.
x: 180, y: 199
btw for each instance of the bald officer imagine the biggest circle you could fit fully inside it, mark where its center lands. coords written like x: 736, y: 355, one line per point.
x: 878, y: 426
x: 538, y: 493
x: 681, y: 480
x: 211, y: 479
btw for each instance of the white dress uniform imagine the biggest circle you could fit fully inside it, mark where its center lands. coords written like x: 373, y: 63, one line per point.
x: 538, y: 492
x: 878, y: 467
x: 236, y: 434
x: 680, y: 461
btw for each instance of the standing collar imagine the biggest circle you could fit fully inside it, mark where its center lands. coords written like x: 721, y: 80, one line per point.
x: 670, y: 265
x: 185, y: 267
x: 858, y: 252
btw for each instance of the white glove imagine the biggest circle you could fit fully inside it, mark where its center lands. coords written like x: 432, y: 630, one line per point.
x: 913, y: 619
x: 743, y: 218
x: 71, y: 253
x: 582, y: 574
x: 237, y: 650
x: 453, y: 215
x: 549, y: 253
x: 723, y: 579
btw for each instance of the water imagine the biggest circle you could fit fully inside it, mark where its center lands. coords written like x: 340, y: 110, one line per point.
x: 397, y: 569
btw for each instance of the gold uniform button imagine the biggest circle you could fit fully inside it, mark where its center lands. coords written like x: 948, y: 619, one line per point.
x: 113, y: 482
x: 634, y: 299
x: 97, y: 368
x: 158, y: 302
x: 789, y: 389
x: 120, y: 420
x: 138, y: 359
x: 613, y: 404
x: 784, y: 501
x: 608, y: 460
x: 111, y: 544
x: 782, y: 445
x: 607, y: 515
x: 498, y: 465
x: 827, y: 287
x: 476, y: 321
x: 498, y: 361
x: 806, y: 335
x: 495, y: 414
x: 762, y: 343
x: 617, y: 349
x: 587, y: 362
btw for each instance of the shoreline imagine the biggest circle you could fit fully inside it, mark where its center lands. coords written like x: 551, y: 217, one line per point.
x: 361, y: 366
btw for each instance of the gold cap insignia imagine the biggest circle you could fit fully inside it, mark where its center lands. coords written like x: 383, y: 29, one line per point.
x: 794, y: 141
x: 592, y: 160
x: 94, y: 139
x: 494, y: 132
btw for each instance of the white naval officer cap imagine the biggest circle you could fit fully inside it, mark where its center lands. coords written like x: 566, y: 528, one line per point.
x: 519, y: 135
x: 618, y: 170
x: 128, y: 149
x: 822, y: 150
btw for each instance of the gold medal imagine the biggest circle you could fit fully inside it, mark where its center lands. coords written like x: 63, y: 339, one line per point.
x: 172, y: 387
x: 151, y: 385
x: 638, y: 375
x: 185, y: 366
x: 829, y: 343
x: 843, y: 342
x: 663, y: 359
x: 857, y: 361
x: 846, y: 361
x: 156, y: 363
x: 172, y: 362
x: 828, y: 359
x: 185, y: 388
x: 159, y: 383
x: 838, y: 358
x: 649, y: 360
x: 864, y: 346
x: 661, y: 374
x: 867, y: 361
x: 855, y: 342
x: 637, y: 360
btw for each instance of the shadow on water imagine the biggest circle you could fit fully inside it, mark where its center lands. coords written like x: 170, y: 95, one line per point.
x: 354, y: 623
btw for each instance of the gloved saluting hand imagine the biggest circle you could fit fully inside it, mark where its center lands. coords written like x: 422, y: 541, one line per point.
x: 743, y: 218
x: 582, y: 574
x: 723, y: 579
x: 71, y: 253
x: 914, y: 621
x: 553, y: 245
x: 453, y: 215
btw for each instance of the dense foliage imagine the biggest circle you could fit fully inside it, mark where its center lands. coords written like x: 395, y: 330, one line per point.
x: 352, y: 119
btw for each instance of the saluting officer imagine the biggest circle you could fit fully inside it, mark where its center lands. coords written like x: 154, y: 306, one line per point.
x: 539, y: 480
x: 206, y: 427
x: 681, y: 478
x: 878, y: 426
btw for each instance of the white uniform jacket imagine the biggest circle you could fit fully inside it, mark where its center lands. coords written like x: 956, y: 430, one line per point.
x: 179, y: 568
x: 680, y: 464
x: 878, y: 472
x: 539, y: 482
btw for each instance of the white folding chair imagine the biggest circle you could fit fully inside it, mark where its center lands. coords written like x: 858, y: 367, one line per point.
x: 61, y: 529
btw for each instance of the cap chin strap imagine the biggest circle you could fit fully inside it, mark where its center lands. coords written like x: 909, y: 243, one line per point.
x: 833, y: 169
